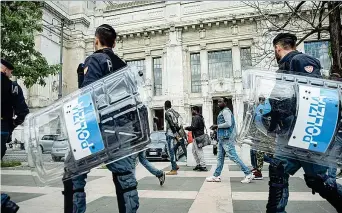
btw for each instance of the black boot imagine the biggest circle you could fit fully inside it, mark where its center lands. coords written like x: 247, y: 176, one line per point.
x: 203, y: 169
x: 196, y: 168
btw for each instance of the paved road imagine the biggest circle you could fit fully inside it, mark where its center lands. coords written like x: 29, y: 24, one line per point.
x: 185, y: 193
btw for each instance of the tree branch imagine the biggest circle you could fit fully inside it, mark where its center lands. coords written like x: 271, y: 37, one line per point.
x: 320, y: 19
x: 294, y: 12
x: 329, y: 13
x: 312, y: 32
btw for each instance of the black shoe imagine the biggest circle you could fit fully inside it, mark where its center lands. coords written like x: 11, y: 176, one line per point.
x: 162, y: 179
x: 203, y: 169
x: 196, y: 168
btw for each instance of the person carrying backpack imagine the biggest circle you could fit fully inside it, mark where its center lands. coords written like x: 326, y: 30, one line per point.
x: 174, y: 134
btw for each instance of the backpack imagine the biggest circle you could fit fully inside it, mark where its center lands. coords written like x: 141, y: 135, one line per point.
x: 176, y: 122
x: 176, y: 119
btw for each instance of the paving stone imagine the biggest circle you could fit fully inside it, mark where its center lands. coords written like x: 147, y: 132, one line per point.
x: 296, y: 184
x: 19, y: 197
x: 146, y: 205
x: 237, y: 168
x: 242, y: 206
x: 27, y: 180
x: 172, y: 183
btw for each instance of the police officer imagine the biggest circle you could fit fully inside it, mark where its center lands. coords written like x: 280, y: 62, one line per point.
x: 295, y: 62
x: 12, y: 104
x: 102, y: 62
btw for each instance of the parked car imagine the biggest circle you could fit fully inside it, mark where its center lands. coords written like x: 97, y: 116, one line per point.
x: 60, y: 148
x: 46, y: 142
x: 157, y: 149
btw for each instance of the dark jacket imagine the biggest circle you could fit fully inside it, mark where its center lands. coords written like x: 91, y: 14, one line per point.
x: 99, y: 64
x: 197, y: 126
x: 12, y: 103
x: 300, y: 64
x: 295, y: 63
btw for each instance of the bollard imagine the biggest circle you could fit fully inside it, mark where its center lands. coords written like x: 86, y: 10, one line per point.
x: 190, y: 160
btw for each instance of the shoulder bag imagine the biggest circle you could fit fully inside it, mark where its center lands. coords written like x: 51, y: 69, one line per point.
x: 203, y: 140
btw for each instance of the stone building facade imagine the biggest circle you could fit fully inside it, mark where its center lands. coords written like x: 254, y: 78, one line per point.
x: 191, y: 52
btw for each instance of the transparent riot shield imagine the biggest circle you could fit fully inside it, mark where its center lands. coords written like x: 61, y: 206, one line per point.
x: 95, y: 125
x: 293, y: 116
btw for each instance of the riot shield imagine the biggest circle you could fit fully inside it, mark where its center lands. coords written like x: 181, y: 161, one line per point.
x: 96, y: 125
x: 293, y: 116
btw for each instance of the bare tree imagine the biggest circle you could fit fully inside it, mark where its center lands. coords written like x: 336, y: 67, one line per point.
x: 307, y: 19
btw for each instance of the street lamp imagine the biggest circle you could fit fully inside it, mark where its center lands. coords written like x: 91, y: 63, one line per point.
x: 60, y: 86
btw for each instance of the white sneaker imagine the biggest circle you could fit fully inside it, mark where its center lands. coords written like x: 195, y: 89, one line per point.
x: 248, y: 178
x: 213, y: 179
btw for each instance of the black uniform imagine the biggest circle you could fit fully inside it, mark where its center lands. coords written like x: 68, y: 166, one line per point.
x: 12, y: 104
x: 96, y: 66
x: 100, y: 64
x: 282, y: 115
x: 300, y: 64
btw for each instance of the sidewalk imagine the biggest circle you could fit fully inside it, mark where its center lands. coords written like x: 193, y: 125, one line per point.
x: 186, y: 192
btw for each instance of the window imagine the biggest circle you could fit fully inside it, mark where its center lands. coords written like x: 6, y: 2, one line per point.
x: 220, y: 64
x: 157, y: 74
x: 140, y: 64
x: 319, y: 50
x: 195, y: 66
x: 246, y: 57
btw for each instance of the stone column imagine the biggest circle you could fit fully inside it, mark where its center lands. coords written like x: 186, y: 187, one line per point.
x: 174, y: 70
x: 207, y: 110
x: 206, y: 106
x: 74, y: 55
x: 236, y: 59
x: 238, y: 97
x: 148, y: 83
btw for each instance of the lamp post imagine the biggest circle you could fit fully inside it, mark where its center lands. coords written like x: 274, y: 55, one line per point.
x: 60, y: 86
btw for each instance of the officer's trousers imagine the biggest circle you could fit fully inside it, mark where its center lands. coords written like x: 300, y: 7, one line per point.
x: 125, y: 186
x: 280, y: 170
x: 4, y: 138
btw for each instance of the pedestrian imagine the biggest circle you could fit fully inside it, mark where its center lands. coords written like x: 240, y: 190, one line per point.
x: 257, y: 161
x: 197, y: 129
x: 102, y: 62
x: 155, y: 124
x: 174, y: 134
x: 153, y: 170
x: 12, y: 104
x: 258, y: 157
x: 226, y: 134
x: 291, y: 60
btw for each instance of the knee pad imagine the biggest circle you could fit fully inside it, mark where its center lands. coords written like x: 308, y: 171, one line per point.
x: 69, y: 195
x: 327, y: 191
x: 276, y: 184
x: 8, y: 206
x: 125, y: 182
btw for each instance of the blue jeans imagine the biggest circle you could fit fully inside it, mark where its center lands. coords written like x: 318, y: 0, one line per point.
x: 228, y: 147
x: 153, y: 170
x: 182, y: 144
x: 125, y: 185
x: 291, y: 166
x: 170, y: 145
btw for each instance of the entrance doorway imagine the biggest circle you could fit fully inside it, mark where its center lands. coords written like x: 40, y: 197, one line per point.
x: 216, y: 109
x: 159, y: 113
